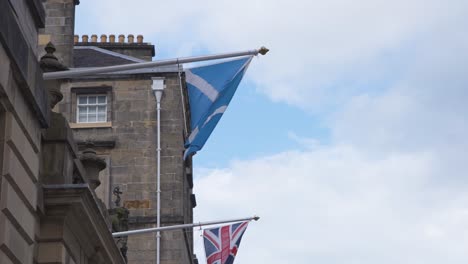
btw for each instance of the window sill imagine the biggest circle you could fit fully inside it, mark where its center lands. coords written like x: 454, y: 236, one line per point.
x: 90, y: 125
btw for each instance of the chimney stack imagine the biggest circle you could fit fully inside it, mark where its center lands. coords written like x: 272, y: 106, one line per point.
x: 132, y: 47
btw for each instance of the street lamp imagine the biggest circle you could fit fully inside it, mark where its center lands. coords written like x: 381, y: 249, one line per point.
x: 158, y: 88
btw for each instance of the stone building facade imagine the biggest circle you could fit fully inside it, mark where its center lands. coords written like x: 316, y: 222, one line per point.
x: 49, y: 212
x: 123, y: 129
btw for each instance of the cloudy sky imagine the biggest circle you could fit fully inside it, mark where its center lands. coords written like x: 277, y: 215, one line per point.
x: 349, y: 138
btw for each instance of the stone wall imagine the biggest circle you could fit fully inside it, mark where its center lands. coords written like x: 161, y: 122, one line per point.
x: 22, y: 115
x: 128, y: 141
x: 59, y: 28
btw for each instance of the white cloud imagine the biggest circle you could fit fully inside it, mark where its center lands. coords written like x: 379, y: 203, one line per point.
x: 321, y: 51
x: 338, y: 205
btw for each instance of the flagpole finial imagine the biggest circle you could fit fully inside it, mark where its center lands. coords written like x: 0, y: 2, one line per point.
x: 256, y: 218
x: 263, y: 50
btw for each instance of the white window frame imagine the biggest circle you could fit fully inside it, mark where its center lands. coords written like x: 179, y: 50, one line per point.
x: 88, y: 105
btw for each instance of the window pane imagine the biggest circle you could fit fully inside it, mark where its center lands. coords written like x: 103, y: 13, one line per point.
x: 92, y: 110
x: 102, y: 117
x: 102, y: 99
x: 82, y: 99
x: 82, y: 119
x: 91, y: 99
x: 82, y: 110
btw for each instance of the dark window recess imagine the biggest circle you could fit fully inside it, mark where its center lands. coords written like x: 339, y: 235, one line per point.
x: 189, y: 175
x: 193, y: 200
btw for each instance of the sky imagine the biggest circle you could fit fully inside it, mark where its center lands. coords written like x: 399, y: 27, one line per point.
x: 348, y: 139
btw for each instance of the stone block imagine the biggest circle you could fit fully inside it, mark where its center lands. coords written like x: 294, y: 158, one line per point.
x: 17, y: 212
x: 54, y: 21
x: 12, y: 242
x: 17, y: 140
x: 15, y: 172
x: 51, y: 252
x: 4, y: 259
x: 44, y: 39
x: 51, y: 230
x: 4, y: 69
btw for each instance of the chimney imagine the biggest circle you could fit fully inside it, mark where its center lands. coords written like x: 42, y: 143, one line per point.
x: 59, y: 28
x: 94, y: 38
x: 140, y: 39
x: 121, y: 38
x: 103, y: 38
x: 84, y: 38
x: 130, y: 38
x: 112, y: 38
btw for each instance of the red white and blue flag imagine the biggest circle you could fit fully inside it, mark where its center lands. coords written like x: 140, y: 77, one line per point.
x: 222, y: 243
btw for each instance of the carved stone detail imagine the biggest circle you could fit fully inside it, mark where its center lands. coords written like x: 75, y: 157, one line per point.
x: 93, y: 165
x: 50, y: 63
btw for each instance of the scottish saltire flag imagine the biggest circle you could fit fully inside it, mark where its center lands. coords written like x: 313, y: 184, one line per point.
x: 210, y: 89
x: 222, y: 243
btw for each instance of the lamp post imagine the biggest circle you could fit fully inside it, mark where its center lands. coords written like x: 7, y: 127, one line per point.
x: 158, y: 88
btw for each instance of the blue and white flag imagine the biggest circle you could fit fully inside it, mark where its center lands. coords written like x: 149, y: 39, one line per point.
x: 210, y: 89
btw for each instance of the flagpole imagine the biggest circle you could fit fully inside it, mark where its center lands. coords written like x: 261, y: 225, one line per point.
x: 174, y: 227
x: 151, y: 64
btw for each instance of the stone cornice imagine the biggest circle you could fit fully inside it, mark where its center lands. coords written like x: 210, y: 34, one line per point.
x: 77, y: 205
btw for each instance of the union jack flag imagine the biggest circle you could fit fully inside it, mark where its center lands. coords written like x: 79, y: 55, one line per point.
x: 222, y: 243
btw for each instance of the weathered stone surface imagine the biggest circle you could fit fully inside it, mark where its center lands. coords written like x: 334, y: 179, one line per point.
x: 19, y: 143
x: 132, y: 160
x: 51, y: 252
x: 4, y: 259
x: 23, y: 60
x: 12, y: 242
x: 59, y: 153
x: 17, y: 212
x: 60, y: 20
x: 82, y: 229
x: 15, y: 172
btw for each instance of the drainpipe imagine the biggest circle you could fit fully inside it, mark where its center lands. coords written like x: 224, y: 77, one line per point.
x: 158, y: 87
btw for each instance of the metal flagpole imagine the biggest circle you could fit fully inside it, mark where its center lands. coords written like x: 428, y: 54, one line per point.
x: 166, y: 228
x: 150, y: 64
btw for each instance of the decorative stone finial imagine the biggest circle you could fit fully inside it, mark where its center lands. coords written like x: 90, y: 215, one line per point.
x: 112, y: 38
x: 92, y: 164
x: 50, y: 63
x: 84, y: 38
x: 130, y: 38
x: 94, y: 38
x: 76, y: 38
